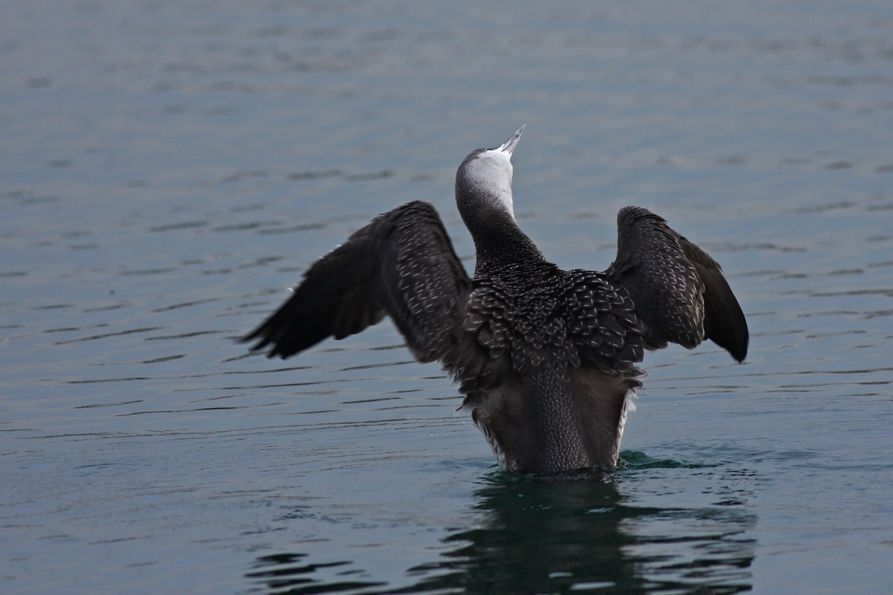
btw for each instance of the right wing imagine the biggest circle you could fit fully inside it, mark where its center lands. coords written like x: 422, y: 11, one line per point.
x: 401, y: 264
x: 679, y: 290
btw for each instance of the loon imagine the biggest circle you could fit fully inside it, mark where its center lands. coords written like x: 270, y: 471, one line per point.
x: 546, y: 358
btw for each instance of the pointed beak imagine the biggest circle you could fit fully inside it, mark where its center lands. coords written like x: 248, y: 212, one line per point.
x: 509, y: 145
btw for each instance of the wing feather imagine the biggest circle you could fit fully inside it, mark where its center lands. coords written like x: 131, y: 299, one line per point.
x: 724, y: 321
x: 679, y: 290
x: 402, y: 264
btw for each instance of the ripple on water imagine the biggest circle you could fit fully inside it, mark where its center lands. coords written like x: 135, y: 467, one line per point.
x: 169, y: 170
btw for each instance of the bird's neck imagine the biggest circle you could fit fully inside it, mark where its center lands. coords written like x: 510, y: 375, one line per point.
x: 499, y: 242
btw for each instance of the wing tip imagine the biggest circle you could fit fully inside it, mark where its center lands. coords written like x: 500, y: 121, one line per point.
x: 272, y: 344
x: 262, y: 338
x: 737, y: 345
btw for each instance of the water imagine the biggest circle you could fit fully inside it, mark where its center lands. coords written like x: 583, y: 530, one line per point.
x: 169, y: 168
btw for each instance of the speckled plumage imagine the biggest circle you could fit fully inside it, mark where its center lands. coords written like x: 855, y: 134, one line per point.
x: 531, y: 312
x: 546, y: 358
x: 678, y: 288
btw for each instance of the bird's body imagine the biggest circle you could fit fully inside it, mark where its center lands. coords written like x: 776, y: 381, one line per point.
x: 546, y: 358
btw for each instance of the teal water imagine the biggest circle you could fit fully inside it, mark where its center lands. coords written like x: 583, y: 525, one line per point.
x: 170, y: 168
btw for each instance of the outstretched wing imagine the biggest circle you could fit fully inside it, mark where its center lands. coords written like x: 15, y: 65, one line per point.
x: 679, y: 290
x: 401, y: 264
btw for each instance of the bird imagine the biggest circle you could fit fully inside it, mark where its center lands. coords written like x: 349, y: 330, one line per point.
x: 547, y: 360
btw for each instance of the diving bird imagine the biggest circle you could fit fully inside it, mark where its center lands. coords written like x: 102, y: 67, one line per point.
x: 546, y: 358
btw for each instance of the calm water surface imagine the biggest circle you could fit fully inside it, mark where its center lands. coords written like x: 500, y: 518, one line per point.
x: 169, y: 169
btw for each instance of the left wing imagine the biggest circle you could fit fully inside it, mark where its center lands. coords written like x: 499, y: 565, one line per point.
x: 402, y: 264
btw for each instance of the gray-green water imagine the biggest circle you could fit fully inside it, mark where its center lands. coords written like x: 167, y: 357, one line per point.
x: 169, y: 169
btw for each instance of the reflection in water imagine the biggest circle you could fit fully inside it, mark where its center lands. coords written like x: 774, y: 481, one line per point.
x: 545, y: 535
x: 290, y: 573
x: 557, y: 535
x: 539, y: 535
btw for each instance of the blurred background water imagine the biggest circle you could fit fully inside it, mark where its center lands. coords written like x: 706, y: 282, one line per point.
x: 169, y: 169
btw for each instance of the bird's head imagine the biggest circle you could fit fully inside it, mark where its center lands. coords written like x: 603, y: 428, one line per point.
x: 484, y: 179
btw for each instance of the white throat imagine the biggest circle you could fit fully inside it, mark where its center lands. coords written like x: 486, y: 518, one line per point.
x: 491, y: 173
